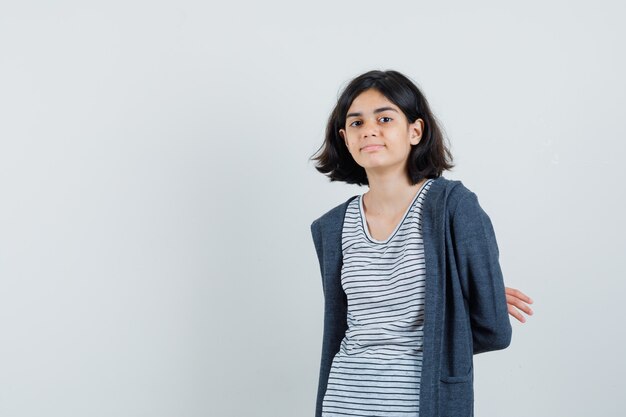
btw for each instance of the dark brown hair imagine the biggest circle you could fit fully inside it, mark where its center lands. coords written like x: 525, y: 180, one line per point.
x: 428, y: 159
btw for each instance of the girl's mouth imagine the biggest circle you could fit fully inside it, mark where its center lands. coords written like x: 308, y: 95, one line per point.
x: 372, y: 147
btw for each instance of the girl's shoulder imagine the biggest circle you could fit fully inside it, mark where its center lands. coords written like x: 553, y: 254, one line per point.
x: 334, y: 215
x: 452, y: 191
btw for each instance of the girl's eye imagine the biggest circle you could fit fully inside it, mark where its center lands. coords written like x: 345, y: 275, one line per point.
x: 385, y: 117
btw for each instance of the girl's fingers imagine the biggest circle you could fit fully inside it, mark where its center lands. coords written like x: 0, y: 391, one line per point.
x: 517, y: 293
x: 516, y: 301
x: 516, y: 314
x: 512, y: 301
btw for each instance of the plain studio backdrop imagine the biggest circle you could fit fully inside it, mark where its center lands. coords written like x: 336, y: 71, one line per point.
x: 157, y: 193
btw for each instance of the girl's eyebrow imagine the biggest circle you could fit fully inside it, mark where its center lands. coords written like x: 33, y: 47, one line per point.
x: 357, y: 114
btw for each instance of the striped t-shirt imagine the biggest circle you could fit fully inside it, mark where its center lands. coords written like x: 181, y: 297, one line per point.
x: 377, y: 370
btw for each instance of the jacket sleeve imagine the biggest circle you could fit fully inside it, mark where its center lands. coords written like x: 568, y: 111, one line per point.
x: 335, y: 319
x: 477, y: 257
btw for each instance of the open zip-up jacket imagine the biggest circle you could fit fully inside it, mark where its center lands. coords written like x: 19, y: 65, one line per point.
x: 465, y: 310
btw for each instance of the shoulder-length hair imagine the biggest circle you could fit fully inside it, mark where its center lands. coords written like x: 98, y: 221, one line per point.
x: 428, y: 159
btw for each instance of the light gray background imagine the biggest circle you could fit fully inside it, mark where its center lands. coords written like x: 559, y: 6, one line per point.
x: 156, y: 195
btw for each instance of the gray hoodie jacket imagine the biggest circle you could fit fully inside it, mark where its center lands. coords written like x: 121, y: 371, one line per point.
x: 465, y: 311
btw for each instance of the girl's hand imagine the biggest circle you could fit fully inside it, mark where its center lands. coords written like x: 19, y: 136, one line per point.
x: 516, y: 300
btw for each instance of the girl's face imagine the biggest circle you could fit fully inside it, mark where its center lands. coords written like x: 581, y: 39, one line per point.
x: 378, y: 134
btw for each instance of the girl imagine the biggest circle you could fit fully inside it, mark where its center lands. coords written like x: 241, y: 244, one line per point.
x: 410, y: 272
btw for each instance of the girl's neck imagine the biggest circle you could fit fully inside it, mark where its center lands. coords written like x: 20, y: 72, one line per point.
x: 388, y: 198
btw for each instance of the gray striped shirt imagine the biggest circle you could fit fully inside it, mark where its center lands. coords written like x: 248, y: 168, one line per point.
x: 377, y: 370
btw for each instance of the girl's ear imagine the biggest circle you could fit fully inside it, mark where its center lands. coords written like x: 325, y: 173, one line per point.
x: 416, y: 128
x: 342, y: 133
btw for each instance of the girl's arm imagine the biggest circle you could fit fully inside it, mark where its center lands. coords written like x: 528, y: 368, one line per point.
x: 477, y: 261
x: 335, y: 319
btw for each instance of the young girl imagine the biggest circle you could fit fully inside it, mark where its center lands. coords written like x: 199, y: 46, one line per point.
x: 410, y: 272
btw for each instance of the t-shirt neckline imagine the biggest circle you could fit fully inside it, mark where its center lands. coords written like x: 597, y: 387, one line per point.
x: 400, y: 223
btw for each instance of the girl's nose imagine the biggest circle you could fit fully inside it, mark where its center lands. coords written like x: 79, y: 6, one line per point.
x: 369, y: 129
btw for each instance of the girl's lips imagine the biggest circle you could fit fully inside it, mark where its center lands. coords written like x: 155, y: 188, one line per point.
x: 372, y: 147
